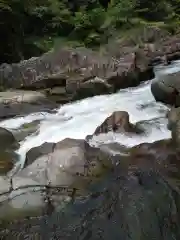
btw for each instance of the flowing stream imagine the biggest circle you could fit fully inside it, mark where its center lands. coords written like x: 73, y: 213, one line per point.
x: 79, y: 119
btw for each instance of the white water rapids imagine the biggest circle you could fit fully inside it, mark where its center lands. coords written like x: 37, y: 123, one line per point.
x: 79, y: 119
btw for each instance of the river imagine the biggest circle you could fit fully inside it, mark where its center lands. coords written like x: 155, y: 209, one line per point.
x: 79, y: 119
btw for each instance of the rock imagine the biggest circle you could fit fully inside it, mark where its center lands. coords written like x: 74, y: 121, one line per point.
x: 7, y: 140
x: 71, y: 68
x: 58, y: 94
x: 138, y: 200
x: 13, y: 103
x: 161, y: 157
x: 90, y: 88
x: 174, y: 126
x: 170, y: 48
x: 156, y: 46
x: 22, y: 203
x: 5, y: 185
x: 37, y: 152
x: 166, y: 88
x: 29, y: 201
x: 173, y: 116
x: 115, y: 149
x: 8, y: 143
x: 7, y: 161
x: 48, y: 182
x: 20, y: 96
x: 133, y: 68
x: 61, y: 164
x: 25, y: 130
x: 57, y: 91
x: 117, y: 122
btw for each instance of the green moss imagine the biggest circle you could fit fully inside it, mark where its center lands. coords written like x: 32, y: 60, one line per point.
x: 32, y: 124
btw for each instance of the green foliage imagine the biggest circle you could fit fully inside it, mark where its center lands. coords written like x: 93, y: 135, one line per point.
x: 87, y: 25
x: 29, y: 28
x: 54, y: 13
x: 154, y: 10
x: 4, y: 6
x: 121, y: 11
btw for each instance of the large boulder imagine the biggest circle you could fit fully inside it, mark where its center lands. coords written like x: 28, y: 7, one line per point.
x: 93, y: 87
x: 118, y: 122
x: 48, y: 179
x: 138, y: 200
x: 61, y: 164
x: 21, y: 102
x: 166, y: 88
x: 71, y: 68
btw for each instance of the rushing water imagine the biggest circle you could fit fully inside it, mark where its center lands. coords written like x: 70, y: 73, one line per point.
x: 78, y: 119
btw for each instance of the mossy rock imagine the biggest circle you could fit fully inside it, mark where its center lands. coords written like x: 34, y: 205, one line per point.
x: 30, y: 125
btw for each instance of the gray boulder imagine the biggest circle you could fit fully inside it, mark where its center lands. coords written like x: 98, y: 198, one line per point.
x: 71, y: 68
x: 61, y: 164
x: 138, y: 200
x: 166, y: 88
x: 19, y: 102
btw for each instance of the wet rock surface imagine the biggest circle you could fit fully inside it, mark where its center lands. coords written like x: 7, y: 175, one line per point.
x: 174, y: 125
x: 7, y: 140
x: 26, y: 130
x: 93, y: 87
x: 166, y: 89
x: 61, y: 163
x: 13, y: 103
x: 7, y: 161
x: 139, y: 199
x: 8, y: 144
x: 50, y: 176
x: 118, y: 122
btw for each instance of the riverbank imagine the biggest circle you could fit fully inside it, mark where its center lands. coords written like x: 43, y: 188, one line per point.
x: 66, y: 74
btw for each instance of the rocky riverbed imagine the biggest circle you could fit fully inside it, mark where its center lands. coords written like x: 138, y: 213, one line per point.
x: 98, y: 168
